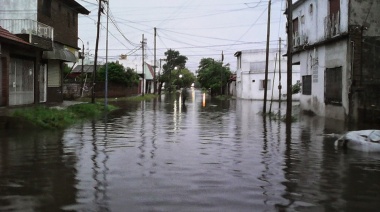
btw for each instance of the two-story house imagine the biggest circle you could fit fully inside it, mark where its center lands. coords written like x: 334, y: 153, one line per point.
x: 337, y: 44
x: 250, y: 75
x: 51, y: 25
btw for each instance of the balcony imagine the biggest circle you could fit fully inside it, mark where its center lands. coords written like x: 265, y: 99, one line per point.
x: 34, y: 32
x: 332, y: 25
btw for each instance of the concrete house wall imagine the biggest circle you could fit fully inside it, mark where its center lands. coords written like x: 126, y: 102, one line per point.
x: 324, y: 43
x: 250, y: 75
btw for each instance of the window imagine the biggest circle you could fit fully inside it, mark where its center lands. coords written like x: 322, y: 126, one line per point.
x: 334, y: 16
x: 296, y: 36
x: 262, y: 85
x: 306, y: 85
x: 333, y: 86
x: 46, y: 7
x: 334, y: 7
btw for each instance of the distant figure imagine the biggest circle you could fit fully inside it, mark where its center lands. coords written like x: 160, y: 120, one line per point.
x: 184, y: 95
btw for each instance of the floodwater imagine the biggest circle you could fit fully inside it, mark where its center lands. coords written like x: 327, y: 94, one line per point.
x: 210, y: 155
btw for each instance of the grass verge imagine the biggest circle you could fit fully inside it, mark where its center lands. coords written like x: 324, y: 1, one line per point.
x: 53, y: 118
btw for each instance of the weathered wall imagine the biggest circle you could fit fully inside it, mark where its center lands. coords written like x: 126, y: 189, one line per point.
x: 365, y: 38
x: 366, y: 13
x: 64, y: 20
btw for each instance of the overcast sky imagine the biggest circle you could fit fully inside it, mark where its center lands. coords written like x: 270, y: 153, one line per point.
x: 196, y: 28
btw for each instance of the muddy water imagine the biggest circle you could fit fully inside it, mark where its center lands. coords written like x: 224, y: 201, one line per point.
x: 208, y: 155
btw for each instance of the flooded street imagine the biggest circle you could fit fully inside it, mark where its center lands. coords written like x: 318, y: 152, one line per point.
x: 210, y: 155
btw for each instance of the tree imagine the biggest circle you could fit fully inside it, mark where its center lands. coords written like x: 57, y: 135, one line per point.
x: 213, y: 75
x: 117, y: 74
x: 173, y: 60
x: 183, y: 78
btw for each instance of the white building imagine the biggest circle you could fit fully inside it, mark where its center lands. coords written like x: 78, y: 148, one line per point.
x: 250, y: 75
x: 336, y: 43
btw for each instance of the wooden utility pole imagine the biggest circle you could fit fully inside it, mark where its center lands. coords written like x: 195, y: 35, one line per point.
x: 266, y: 61
x: 96, y: 53
x: 155, y: 62
x: 289, y: 62
x: 106, y: 77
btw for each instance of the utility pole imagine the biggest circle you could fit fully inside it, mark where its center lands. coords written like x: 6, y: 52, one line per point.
x: 143, y: 63
x: 221, y: 76
x: 96, y: 53
x: 82, y: 70
x: 279, y: 72
x: 289, y: 63
x: 155, y: 62
x: 266, y: 61
x: 106, y: 78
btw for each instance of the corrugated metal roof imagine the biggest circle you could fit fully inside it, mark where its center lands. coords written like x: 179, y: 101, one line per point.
x: 9, y: 36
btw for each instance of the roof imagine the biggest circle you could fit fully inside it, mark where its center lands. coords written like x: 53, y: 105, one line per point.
x: 5, y: 34
x: 76, y: 6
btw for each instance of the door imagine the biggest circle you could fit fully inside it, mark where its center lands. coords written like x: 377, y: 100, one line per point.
x: 21, y: 82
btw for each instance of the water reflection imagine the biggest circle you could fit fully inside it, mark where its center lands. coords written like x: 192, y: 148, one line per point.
x: 209, y: 156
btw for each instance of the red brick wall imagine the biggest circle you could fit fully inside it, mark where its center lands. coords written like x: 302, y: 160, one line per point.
x: 72, y: 90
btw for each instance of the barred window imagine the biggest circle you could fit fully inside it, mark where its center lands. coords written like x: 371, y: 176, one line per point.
x: 333, y: 86
x: 306, y: 85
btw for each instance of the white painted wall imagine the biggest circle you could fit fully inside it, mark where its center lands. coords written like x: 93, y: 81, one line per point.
x: 312, y: 14
x: 248, y: 78
x: 315, y: 61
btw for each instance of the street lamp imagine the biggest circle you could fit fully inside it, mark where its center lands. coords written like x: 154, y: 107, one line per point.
x: 170, y: 79
x: 180, y: 81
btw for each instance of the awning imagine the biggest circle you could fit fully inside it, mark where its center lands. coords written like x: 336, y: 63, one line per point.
x: 59, y: 53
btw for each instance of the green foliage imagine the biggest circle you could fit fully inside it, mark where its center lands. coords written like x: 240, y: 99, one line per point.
x: 183, y: 78
x: 117, y: 74
x: 296, y: 88
x: 212, y: 74
x: 66, y: 70
x: 173, y: 60
x: 53, y: 118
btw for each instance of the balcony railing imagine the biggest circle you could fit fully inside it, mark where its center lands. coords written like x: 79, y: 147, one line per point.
x: 28, y: 26
x: 332, y: 25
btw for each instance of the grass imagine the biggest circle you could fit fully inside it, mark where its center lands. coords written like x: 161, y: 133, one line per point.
x: 53, y: 118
